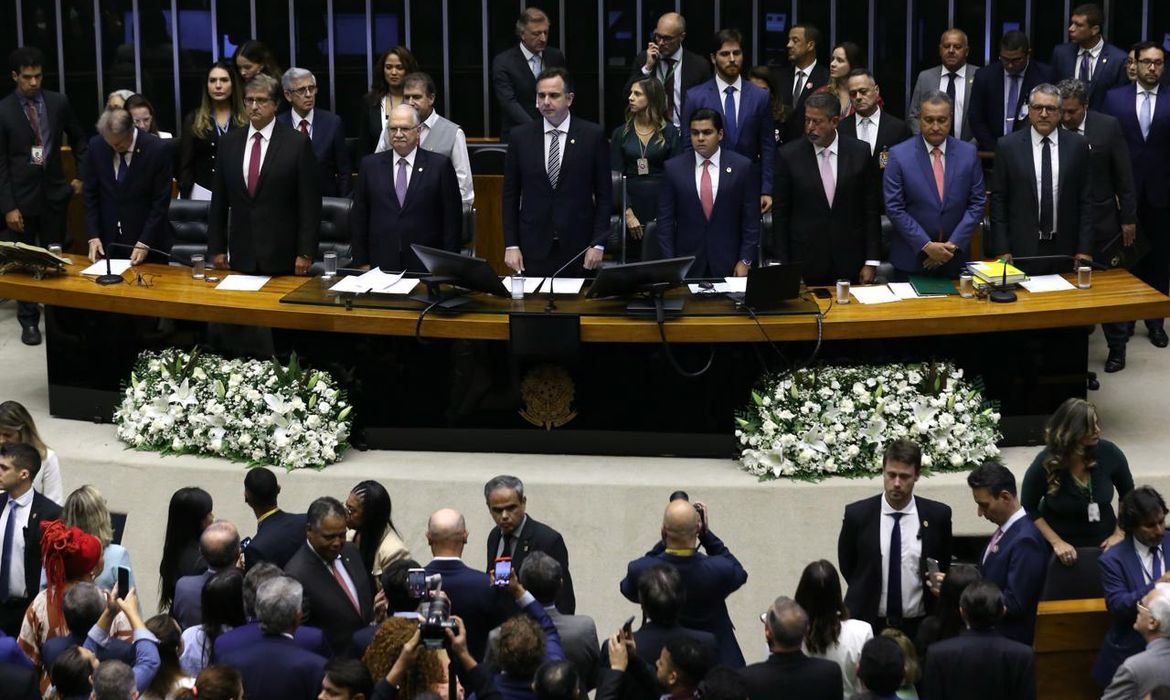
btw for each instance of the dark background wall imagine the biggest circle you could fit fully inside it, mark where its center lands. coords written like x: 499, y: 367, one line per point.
x: 163, y: 47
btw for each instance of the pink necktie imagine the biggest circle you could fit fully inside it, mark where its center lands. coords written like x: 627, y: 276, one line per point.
x: 706, y: 196
x: 254, y: 165
x: 936, y: 153
x: 827, y: 176
x: 341, y: 582
x: 995, y: 538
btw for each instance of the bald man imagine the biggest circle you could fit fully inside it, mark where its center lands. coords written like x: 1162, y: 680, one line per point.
x: 220, y: 547
x: 708, y: 577
x: 677, y: 68
x: 472, y: 595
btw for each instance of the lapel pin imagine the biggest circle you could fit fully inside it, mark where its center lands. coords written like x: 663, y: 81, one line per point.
x: 925, y: 523
x: 572, y: 140
x: 419, y: 169
x: 995, y: 549
x: 729, y: 168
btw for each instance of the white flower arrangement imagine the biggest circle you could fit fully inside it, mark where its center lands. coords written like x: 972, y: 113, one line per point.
x: 837, y: 420
x: 252, y: 411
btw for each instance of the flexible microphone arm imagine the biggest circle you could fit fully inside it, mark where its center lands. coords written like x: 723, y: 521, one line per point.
x: 163, y: 253
x: 552, y: 305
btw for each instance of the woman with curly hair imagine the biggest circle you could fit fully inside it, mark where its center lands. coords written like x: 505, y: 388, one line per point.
x: 1068, y: 490
x: 368, y: 513
x: 831, y: 634
x: 640, y: 148
x: 429, y: 672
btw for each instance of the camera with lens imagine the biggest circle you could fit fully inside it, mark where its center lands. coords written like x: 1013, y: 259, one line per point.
x: 434, y: 619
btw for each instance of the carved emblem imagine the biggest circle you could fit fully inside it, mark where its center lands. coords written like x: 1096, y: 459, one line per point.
x: 547, y: 392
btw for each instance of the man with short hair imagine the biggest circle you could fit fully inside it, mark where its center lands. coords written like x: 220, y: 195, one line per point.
x: 708, y: 578
x: 278, y: 534
x: 1129, y: 570
x: 981, y: 662
x: 1087, y: 58
x: 34, y: 193
x: 515, y: 70
x: 220, y: 546
x: 306, y: 637
x: 886, y: 541
x: 708, y: 203
x: 677, y: 671
x: 267, y: 184
x: 954, y: 78
x: 323, y: 129
x: 1016, y: 558
x: 113, y: 680
x: 880, y: 669
x: 22, y: 510
x: 82, y: 606
x: 677, y: 68
x: 748, y: 127
x: 827, y: 201
x: 662, y: 597
x: 879, y: 129
x: 274, y: 667
x: 934, y: 195
x: 127, y: 190
x: 1143, y: 672
x: 999, y: 97
x: 437, y: 134
x: 787, y: 672
x: 346, y: 679
x: 403, y: 196
x: 338, y: 598
x: 1112, y: 197
x: 800, y: 78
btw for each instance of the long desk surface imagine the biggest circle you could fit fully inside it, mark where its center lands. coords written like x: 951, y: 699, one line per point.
x: 172, y: 293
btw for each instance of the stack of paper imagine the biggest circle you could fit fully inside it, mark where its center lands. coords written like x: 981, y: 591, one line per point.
x: 117, y: 267
x: 877, y: 294
x: 1046, y: 283
x: 243, y: 283
x: 991, y: 272
x: 376, y: 281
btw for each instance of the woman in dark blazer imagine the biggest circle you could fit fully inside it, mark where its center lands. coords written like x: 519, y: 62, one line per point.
x: 390, y: 71
x: 221, y: 109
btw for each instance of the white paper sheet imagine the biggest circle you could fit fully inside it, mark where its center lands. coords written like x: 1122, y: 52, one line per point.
x: 877, y: 294
x: 736, y: 284
x: 405, y: 285
x: 117, y: 267
x: 351, y: 284
x: 565, y: 285
x: 243, y: 283
x: 530, y: 284
x: 1046, y: 283
x: 201, y: 194
x: 716, y: 288
x: 903, y: 290
x: 374, y: 280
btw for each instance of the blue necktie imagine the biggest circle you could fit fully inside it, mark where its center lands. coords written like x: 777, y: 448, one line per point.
x: 894, y: 580
x: 1085, y: 68
x: 6, y: 551
x: 1011, y: 108
x: 123, y: 166
x: 729, y: 121
x: 1144, y: 117
x: 1156, y: 564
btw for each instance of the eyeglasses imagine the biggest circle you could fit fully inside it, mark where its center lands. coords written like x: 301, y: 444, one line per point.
x: 1142, y: 608
x: 1043, y: 109
x: 305, y: 91
x: 256, y: 101
x: 141, y: 280
x: 1152, y: 62
x: 663, y: 38
x: 142, y: 123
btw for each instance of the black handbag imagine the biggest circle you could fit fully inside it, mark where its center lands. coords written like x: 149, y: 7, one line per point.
x: 1118, y: 255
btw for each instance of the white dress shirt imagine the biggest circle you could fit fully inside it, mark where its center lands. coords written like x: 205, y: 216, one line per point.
x: 676, y: 80
x: 1093, y: 54
x: 960, y: 93
x: 409, y: 166
x: 870, y: 131
x: 16, y: 563
x: 1146, y: 555
x: 296, y: 120
x: 713, y: 169
x: 265, y: 139
x: 721, y: 87
x: 459, y: 157
x: 797, y: 78
x: 942, y: 149
x: 129, y: 155
x: 910, y: 556
x: 1037, y: 154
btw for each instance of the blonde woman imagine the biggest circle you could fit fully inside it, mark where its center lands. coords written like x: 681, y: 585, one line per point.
x: 16, y: 425
x: 86, y: 510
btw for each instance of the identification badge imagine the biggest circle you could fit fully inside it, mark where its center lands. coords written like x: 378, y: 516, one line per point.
x: 1094, y: 513
x: 643, y: 166
x: 884, y: 158
x: 36, y: 156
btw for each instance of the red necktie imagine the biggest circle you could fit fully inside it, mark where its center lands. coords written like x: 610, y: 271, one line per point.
x: 254, y: 165
x: 341, y: 582
x: 305, y: 127
x: 706, y: 197
x: 34, y: 120
x: 936, y: 152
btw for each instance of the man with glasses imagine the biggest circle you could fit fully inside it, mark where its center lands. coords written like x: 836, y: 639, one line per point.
x: 324, y: 129
x: 788, y: 672
x: 1145, y: 121
x: 999, y: 97
x: 954, y: 78
x: 514, y: 71
x: 267, y: 182
x: 1087, y: 58
x: 678, y: 69
x: 1144, y: 672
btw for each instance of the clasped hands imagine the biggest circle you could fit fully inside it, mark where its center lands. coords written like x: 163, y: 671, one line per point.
x: 938, y: 254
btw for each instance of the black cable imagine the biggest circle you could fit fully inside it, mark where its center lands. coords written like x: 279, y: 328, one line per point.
x: 418, y: 324
x: 660, y: 318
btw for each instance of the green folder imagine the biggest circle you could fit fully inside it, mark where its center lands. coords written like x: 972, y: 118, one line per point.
x: 932, y: 286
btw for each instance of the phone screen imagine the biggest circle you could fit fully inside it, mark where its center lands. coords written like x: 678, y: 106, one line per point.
x: 628, y: 627
x: 416, y: 583
x: 502, y: 572
x: 123, y: 582
x: 932, y: 565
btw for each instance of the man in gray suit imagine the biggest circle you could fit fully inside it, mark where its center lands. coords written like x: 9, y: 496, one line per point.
x: 436, y: 134
x: 954, y: 77
x: 1141, y: 673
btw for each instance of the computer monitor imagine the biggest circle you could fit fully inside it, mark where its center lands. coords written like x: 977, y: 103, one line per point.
x: 654, y: 276
x: 769, y: 287
x: 458, y: 270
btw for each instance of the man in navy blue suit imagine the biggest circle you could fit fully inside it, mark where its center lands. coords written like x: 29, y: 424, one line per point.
x: 708, y: 578
x: 306, y: 637
x: 324, y: 129
x: 1086, y: 56
x: 1129, y: 570
x: 127, y: 190
x: 748, y: 128
x: 220, y: 546
x: 278, y: 534
x: 999, y: 96
x: 404, y: 195
x: 934, y: 194
x: 1016, y: 558
x: 708, y: 203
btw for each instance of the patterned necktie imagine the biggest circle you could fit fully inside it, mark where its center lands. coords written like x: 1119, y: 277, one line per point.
x: 894, y: 580
x: 535, y: 61
x: 254, y: 165
x: 668, y: 84
x: 34, y: 120
x: 1086, y: 67
x: 827, y: 178
x: 335, y: 569
x: 1144, y: 117
x: 400, y: 182
x: 730, y: 124
x: 936, y: 154
x: 1046, y: 207
x: 991, y: 546
x: 706, y: 192
x: 554, y: 158
x: 1012, y: 105
x: 305, y: 127
x: 123, y: 166
x: 6, y: 551
x: 863, y: 132
x: 1156, y: 564
x: 797, y: 85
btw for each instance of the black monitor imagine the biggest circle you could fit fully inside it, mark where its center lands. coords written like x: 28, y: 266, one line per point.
x: 651, y: 277
x: 470, y: 273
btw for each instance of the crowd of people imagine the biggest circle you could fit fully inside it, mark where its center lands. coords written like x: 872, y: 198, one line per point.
x: 331, y: 603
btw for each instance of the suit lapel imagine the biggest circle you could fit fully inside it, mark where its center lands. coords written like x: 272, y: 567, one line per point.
x: 872, y: 544
x: 416, y: 176
x: 810, y: 152
x: 926, y: 167
x: 1064, y: 150
x: 274, y: 144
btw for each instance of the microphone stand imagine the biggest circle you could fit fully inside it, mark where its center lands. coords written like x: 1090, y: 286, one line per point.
x: 552, y: 305
x: 163, y: 253
x: 109, y: 278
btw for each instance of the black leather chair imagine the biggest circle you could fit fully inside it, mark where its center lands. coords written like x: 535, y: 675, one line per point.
x: 188, y: 219
x: 617, y: 242
x: 1081, y: 580
x: 333, y: 235
x: 487, y: 159
x: 468, y: 228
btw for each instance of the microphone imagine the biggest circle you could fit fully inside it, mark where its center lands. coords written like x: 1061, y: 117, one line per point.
x: 1003, y: 295
x: 552, y: 305
x: 163, y: 253
x: 109, y: 278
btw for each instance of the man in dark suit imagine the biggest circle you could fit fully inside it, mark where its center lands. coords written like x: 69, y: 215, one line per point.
x: 981, y: 662
x: 787, y: 672
x: 708, y: 203
x: 748, y: 128
x: 1145, y: 121
x: 677, y: 672
x: 827, y: 201
x: 404, y: 195
x: 954, y: 78
x: 516, y: 534
x: 1040, y: 190
x: 515, y: 70
x: 278, y: 534
x: 1087, y: 58
x: 323, y: 128
x: 543, y: 577
x: 934, y: 195
x: 676, y: 68
x: 220, y: 546
x: 708, y: 578
x: 1016, y: 558
x: 879, y: 129
x: 338, y: 594
x: 1112, y: 195
x: 33, y: 191
x: 127, y: 190
x: 274, y: 666
x: 557, y: 186
x: 306, y: 637
x: 268, y: 183
x: 800, y: 78
x: 999, y: 97
x: 1130, y: 570
x: 885, y: 542
x: 21, y: 512
x: 82, y: 606
x: 19, y: 682
x: 661, y: 596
